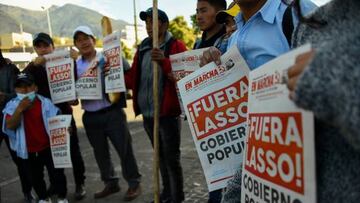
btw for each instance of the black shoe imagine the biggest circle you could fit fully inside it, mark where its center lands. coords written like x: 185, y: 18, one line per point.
x: 80, y: 192
x: 29, y: 197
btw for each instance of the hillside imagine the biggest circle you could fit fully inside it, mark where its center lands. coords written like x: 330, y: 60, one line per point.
x: 64, y: 20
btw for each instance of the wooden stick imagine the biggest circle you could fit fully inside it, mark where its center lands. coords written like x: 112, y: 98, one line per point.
x: 156, y: 104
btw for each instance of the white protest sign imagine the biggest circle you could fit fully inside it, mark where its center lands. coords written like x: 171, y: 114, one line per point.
x: 60, y: 140
x: 279, y: 163
x: 89, y: 85
x: 183, y: 64
x: 215, y: 103
x: 60, y: 74
x: 114, y: 81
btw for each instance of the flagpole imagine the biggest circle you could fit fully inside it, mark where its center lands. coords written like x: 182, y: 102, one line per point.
x: 156, y: 104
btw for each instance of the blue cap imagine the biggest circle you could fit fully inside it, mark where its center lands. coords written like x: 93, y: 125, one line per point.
x: 148, y: 13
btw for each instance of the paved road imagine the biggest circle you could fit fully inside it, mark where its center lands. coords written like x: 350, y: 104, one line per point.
x: 194, y: 181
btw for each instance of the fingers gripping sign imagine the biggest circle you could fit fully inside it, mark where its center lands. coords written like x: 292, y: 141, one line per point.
x: 295, y: 71
x: 210, y: 55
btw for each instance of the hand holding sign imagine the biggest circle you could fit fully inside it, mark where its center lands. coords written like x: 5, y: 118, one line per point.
x: 294, y: 72
x: 210, y: 55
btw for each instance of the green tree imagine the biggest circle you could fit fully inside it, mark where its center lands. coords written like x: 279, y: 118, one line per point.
x: 180, y: 30
x: 195, y: 26
x: 127, y: 51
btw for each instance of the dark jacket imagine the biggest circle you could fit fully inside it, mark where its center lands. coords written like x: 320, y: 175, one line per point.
x: 170, y: 103
x: 8, y: 74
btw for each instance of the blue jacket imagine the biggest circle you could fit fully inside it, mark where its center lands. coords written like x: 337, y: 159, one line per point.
x: 17, y: 137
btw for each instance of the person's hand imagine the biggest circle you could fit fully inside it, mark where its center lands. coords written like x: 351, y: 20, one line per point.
x: 157, y: 55
x: 171, y: 77
x: 74, y: 102
x: 24, y: 104
x: 210, y: 55
x: 39, y: 61
x: 73, y: 53
x: 294, y: 72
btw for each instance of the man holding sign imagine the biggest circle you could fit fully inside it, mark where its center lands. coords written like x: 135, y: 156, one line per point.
x: 103, y: 120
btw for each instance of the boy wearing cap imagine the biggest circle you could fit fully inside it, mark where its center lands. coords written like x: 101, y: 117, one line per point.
x: 43, y: 44
x: 26, y: 125
x: 102, y: 121
x: 226, y: 17
x: 140, y: 79
x: 206, y: 11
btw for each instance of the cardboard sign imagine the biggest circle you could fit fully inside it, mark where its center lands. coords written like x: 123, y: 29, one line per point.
x: 183, y: 64
x: 60, y: 74
x: 279, y: 163
x: 89, y: 85
x: 60, y: 140
x: 114, y: 81
x: 215, y: 103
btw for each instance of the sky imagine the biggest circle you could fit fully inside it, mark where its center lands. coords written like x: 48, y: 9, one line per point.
x: 121, y: 9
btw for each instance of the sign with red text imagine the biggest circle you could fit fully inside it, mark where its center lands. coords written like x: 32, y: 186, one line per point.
x: 60, y: 140
x: 215, y: 102
x: 183, y: 64
x: 114, y: 80
x: 61, y: 78
x: 89, y: 85
x: 279, y: 162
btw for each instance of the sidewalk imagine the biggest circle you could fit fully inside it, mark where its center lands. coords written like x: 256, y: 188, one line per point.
x: 194, y: 181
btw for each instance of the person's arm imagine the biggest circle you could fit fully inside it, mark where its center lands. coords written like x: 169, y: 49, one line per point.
x: 330, y: 87
x: 14, y: 120
x: 129, y: 75
x: 163, y: 61
x: 10, y: 93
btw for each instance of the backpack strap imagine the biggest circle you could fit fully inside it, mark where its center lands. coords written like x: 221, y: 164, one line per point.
x: 288, y: 24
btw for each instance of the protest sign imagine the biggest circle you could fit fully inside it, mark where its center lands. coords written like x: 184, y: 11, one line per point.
x: 89, y: 85
x: 182, y: 64
x: 215, y: 103
x: 61, y: 78
x: 279, y: 162
x: 114, y: 80
x: 60, y: 140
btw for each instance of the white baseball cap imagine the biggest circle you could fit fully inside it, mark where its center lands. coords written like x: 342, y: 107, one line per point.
x: 84, y: 29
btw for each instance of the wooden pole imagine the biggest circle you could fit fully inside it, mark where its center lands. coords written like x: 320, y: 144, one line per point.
x: 156, y: 104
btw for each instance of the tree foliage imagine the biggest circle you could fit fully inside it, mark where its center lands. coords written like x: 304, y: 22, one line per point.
x: 180, y: 30
x: 195, y: 26
x: 126, y: 51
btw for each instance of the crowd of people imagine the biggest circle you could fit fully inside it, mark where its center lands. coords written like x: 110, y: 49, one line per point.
x: 324, y: 81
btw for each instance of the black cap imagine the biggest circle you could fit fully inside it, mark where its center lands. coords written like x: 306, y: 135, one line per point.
x: 24, y: 79
x: 42, y: 37
x: 148, y: 13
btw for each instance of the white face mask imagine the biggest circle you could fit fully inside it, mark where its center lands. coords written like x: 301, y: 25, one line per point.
x: 30, y: 95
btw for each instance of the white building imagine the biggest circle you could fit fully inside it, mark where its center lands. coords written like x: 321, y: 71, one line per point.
x: 128, y: 35
x: 12, y: 40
